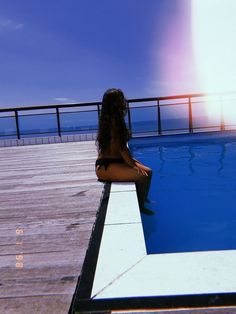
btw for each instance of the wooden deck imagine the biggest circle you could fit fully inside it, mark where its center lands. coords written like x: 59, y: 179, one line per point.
x: 49, y: 196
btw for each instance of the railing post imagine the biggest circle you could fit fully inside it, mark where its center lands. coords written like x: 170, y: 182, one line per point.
x: 159, y: 117
x: 129, y: 121
x: 98, y: 110
x: 58, y: 121
x: 222, y: 122
x: 190, y: 116
x: 17, y: 124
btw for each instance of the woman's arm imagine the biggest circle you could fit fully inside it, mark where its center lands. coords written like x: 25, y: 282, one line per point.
x: 126, y: 155
x: 134, y: 158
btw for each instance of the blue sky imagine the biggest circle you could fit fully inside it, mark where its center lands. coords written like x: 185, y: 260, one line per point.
x: 73, y: 50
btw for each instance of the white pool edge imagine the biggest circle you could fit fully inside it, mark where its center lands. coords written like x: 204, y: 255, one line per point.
x: 125, y: 270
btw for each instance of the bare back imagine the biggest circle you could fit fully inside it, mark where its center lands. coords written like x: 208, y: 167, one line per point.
x: 113, y: 150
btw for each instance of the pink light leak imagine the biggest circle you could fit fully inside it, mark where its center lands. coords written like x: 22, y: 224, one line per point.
x: 175, y: 63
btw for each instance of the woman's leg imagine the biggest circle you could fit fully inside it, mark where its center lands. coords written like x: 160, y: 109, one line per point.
x: 149, y: 172
x: 122, y: 172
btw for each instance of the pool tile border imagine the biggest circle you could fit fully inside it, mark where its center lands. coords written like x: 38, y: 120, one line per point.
x: 103, y: 287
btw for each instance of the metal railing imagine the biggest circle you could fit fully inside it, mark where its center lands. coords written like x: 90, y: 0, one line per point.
x: 157, y: 115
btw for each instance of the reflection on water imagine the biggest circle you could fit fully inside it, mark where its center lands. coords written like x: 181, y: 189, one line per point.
x: 191, y: 158
x: 221, y: 158
x: 191, y: 154
x: 193, y: 189
x: 162, y: 160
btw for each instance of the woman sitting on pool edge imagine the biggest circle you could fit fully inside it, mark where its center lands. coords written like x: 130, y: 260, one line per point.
x: 115, y: 162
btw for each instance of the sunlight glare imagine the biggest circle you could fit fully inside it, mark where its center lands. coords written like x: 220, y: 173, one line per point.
x: 214, y: 41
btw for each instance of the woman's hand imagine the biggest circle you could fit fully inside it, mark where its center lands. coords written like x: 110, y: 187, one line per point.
x: 135, y: 164
x: 140, y: 170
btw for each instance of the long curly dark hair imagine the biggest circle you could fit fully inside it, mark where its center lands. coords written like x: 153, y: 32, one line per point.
x: 112, y: 120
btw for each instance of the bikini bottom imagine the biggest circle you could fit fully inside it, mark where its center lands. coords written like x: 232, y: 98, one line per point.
x: 106, y: 161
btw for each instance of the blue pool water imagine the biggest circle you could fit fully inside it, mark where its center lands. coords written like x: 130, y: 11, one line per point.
x: 193, y: 192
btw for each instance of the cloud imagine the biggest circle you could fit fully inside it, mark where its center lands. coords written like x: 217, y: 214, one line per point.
x: 64, y: 99
x: 10, y: 25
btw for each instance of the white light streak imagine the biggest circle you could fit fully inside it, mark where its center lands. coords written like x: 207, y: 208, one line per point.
x: 214, y: 41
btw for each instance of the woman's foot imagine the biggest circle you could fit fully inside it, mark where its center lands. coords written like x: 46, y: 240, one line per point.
x: 147, y: 211
x: 149, y: 201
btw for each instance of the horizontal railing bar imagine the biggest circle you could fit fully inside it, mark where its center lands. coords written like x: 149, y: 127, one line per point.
x: 34, y: 111
x: 134, y: 132
x: 165, y: 98
x: 178, y: 97
x: 179, y: 129
x: 181, y: 96
x: 201, y: 101
x: 50, y: 106
x: 200, y: 127
x: 52, y: 113
x: 163, y: 130
x: 37, y: 114
x: 141, y: 107
x: 154, y: 130
x: 161, y: 105
x: 99, y: 103
x: 206, y: 127
x: 15, y: 134
x: 62, y: 131
x: 46, y: 132
x: 174, y: 104
x: 78, y: 131
x: 65, y: 112
x: 145, y: 131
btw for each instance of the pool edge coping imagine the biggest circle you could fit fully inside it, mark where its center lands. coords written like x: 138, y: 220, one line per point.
x: 84, y: 300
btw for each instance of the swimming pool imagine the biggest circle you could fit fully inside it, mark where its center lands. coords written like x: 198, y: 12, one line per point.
x: 193, y: 189
x: 128, y: 266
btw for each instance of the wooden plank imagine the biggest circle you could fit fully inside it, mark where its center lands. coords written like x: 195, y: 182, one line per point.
x: 51, y: 195
x: 36, y: 304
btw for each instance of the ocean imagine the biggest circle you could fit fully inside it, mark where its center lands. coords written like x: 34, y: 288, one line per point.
x: 71, y: 123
